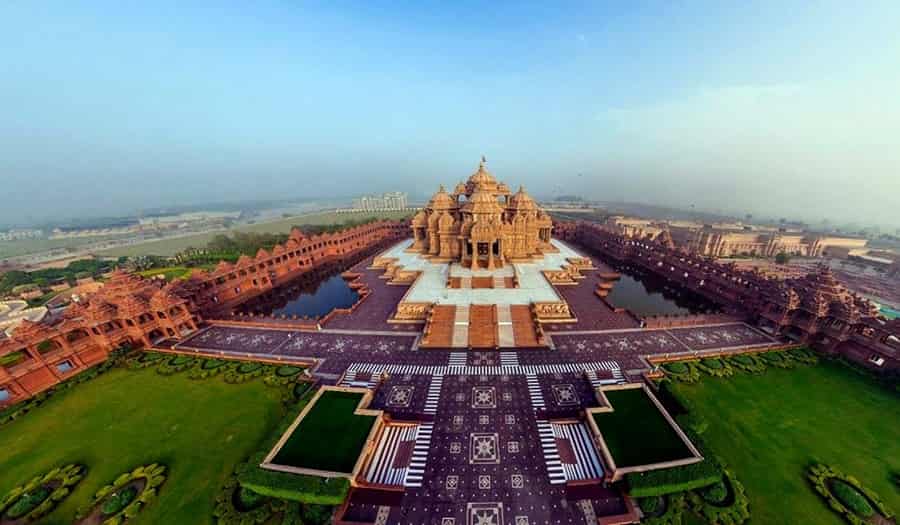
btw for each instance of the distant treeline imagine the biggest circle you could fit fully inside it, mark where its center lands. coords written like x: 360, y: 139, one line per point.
x: 16, y: 281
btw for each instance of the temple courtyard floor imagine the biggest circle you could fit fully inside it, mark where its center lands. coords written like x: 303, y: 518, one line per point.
x: 126, y: 418
x: 769, y: 428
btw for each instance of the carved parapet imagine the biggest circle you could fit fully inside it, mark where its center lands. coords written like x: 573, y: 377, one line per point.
x: 404, y: 277
x: 553, y: 311
x: 407, y: 312
x: 383, y: 262
x: 574, y: 271
x: 559, y: 277
x: 582, y: 263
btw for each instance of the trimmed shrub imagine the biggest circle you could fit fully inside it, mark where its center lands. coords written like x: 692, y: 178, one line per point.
x: 117, y: 501
x: 715, y: 493
x: 748, y: 363
x: 715, y: 367
x: 802, y: 355
x: 293, y: 487
x: 173, y: 365
x: 851, y: 498
x: 287, y: 371
x: 675, y: 479
x: 846, y: 495
x: 41, y: 494
x: 732, y: 509
x: 682, y: 371
x: 117, y: 506
x: 677, y: 367
x: 28, y: 502
x: 649, y: 505
x: 776, y: 359
x: 675, y: 507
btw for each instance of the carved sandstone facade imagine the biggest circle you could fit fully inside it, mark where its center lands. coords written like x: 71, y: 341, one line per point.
x: 815, y: 309
x: 481, y: 224
x: 140, y: 312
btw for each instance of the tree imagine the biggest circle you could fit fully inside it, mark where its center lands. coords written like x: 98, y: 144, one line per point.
x: 782, y: 258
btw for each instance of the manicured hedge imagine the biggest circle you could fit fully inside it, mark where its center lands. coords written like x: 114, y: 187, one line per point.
x: 675, y: 479
x: 294, y: 487
x: 734, y: 507
x: 41, y: 494
x: 715, y: 367
x: 110, y: 497
x: 715, y: 493
x: 846, y: 495
x: 851, y: 498
x: 649, y: 505
x: 675, y: 507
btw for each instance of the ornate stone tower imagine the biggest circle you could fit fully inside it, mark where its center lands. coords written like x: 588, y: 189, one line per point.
x: 481, y: 224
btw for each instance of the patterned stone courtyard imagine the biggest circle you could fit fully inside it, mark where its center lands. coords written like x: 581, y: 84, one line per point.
x: 475, y: 437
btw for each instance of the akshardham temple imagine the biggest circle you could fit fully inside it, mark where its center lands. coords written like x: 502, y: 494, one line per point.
x: 482, y: 376
x: 481, y: 224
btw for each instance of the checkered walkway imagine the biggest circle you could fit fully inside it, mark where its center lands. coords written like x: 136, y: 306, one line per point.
x: 420, y: 456
x: 555, y: 470
x: 434, y: 395
x: 534, y: 392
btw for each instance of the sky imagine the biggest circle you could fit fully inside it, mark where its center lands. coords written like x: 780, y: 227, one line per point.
x: 773, y: 108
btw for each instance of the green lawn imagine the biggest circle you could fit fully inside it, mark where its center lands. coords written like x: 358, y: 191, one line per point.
x: 769, y: 428
x: 123, y: 419
x: 636, y: 432
x: 330, y: 436
x: 169, y: 247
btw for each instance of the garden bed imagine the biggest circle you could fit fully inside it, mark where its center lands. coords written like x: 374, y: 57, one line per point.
x: 328, y: 436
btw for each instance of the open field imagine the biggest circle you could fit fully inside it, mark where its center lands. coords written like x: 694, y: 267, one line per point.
x: 123, y: 419
x: 167, y: 247
x: 27, y: 246
x: 769, y: 428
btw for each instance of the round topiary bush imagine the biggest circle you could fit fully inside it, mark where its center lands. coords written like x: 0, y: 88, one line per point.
x: 851, y: 498
x: 40, y: 494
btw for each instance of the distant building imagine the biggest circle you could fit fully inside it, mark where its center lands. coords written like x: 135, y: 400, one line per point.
x: 387, y: 201
x: 20, y: 234
x: 736, y: 239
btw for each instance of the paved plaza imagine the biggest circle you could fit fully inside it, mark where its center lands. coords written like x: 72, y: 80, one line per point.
x: 476, y: 437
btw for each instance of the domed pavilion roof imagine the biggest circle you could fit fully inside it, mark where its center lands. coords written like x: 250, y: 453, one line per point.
x: 442, y: 200
x: 482, y: 203
x: 522, y: 201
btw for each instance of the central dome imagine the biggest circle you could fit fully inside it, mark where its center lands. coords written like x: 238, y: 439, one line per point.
x: 482, y: 178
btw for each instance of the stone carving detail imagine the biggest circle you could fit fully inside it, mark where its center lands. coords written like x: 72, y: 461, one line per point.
x: 556, y: 310
x: 413, y: 311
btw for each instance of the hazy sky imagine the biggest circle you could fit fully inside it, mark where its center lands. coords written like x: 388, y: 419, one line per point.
x: 776, y: 107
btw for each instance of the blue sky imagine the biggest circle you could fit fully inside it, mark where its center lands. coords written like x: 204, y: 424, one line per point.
x: 779, y: 107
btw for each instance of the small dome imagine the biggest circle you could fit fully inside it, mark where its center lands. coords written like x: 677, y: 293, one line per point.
x: 482, y: 202
x: 460, y: 189
x: 522, y: 201
x: 442, y: 200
